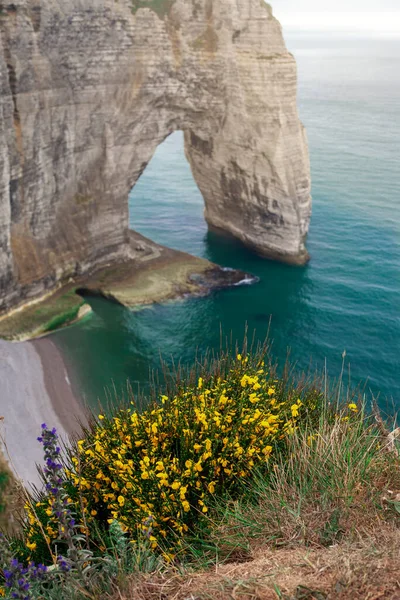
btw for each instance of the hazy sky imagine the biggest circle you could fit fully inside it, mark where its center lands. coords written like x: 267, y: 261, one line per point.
x: 367, y: 15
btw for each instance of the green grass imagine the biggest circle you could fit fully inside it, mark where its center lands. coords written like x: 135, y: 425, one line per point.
x: 4, y: 480
x: 10, y: 503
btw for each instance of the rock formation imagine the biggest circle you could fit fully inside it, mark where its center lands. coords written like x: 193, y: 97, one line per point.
x: 89, y: 88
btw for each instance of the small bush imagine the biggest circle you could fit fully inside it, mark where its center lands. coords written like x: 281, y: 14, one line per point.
x: 157, y: 471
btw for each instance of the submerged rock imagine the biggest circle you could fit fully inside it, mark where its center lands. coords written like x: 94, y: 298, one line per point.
x: 217, y: 278
x: 87, y: 92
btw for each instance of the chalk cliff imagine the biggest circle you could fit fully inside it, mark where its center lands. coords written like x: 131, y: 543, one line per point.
x: 89, y: 88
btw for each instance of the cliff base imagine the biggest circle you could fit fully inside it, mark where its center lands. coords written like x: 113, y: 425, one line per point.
x: 153, y: 274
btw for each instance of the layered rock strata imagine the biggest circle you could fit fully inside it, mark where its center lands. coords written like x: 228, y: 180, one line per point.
x: 89, y: 89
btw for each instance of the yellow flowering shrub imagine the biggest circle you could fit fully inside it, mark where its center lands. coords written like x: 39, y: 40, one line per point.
x: 156, y: 471
x: 168, y: 461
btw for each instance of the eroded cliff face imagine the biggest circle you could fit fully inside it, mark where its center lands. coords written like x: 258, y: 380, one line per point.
x: 89, y: 88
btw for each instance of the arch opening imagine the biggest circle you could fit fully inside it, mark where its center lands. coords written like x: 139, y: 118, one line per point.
x: 165, y: 204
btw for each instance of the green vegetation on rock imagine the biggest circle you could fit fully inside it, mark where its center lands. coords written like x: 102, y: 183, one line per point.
x: 57, y: 310
x: 160, y: 7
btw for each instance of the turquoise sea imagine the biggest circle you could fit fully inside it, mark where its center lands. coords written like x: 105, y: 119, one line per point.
x: 347, y: 298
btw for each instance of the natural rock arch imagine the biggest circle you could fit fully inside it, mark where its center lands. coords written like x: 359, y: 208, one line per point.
x: 89, y: 88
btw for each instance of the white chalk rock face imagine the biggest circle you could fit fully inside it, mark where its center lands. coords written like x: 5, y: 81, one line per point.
x: 89, y: 89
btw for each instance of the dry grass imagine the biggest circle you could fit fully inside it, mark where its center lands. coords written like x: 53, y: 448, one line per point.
x: 364, y: 570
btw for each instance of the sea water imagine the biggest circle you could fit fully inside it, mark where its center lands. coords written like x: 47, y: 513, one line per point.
x: 347, y: 299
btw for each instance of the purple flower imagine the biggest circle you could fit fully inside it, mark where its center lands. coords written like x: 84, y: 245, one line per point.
x: 63, y: 564
x: 18, y: 579
x: 54, y: 480
x: 21, y: 581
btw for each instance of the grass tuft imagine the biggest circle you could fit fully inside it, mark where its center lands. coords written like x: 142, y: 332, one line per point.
x: 328, y: 487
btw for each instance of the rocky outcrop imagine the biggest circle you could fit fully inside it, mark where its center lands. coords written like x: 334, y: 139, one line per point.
x: 89, y: 88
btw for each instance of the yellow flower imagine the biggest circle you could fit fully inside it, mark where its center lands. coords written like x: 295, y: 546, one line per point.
x: 31, y: 545
x: 267, y: 451
x: 211, y: 487
x: 353, y: 407
x: 200, y: 383
x: 186, y: 506
x: 168, y: 557
x: 239, y: 357
x: 101, y: 417
x: 121, y: 500
x: 295, y: 410
x: 271, y: 391
x: 244, y: 381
